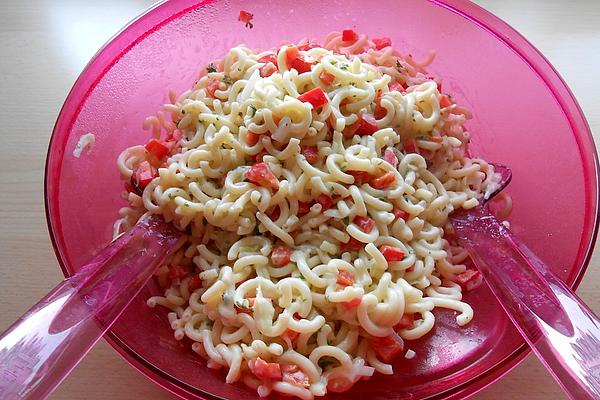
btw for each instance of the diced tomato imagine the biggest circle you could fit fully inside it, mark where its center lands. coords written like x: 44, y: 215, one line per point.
x: 410, y: 146
x: 275, y: 213
x: 212, y: 87
x: 355, y: 302
x: 311, y: 153
x: 157, y: 148
x: 194, y: 283
x: 265, y: 370
x: 315, y: 96
x: 390, y: 157
x: 252, y: 138
x: 380, y: 112
x: 143, y: 175
x: 291, y: 53
x: 366, y: 224
x: 367, y: 125
x: 445, y: 101
x: 470, y: 279
x: 295, y: 60
x: 325, y: 201
x: 396, y: 86
x: 129, y: 187
x: 350, y: 130
x: 174, y: 136
x: 360, y: 177
x: 268, y: 58
x: 281, y: 255
x: 339, y: 385
x: 345, y: 278
x: 407, y: 321
x: 326, y: 78
x: 259, y: 157
x: 382, y: 42
x: 399, y: 213
x: 267, y: 70
x: 153, y: 160
x: 290, y: 334
x: 387, y: 348
x: 352, y: 245
x: 132, y: 187
x: 303, y: 208
x: 262, y: 175
x: 392, y: 253
x: 177, y: 272
x: 383, y: 181
x: 349, y: 36
x: 294, y: 375
x: 246, y: 18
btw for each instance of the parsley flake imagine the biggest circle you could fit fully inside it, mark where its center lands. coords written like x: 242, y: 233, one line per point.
x: 211, y: 68
x: 252, y: 110
x: 227, y: 79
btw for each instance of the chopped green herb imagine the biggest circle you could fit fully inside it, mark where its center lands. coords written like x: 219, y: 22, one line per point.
x: 211, y: 68
x: 186, y: 204
x: 347, y: 221
x: 252, y: 110
x: 183, y: 111
x: 227, y: 79
x: 333, y: 62
x: 344, y: 66
x: 421, y: 137
x: 210, y: 323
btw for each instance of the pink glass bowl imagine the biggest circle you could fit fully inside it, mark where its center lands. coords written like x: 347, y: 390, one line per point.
x: 524, y: 117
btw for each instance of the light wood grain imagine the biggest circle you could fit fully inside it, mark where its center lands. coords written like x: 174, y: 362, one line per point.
x: 44, y: 45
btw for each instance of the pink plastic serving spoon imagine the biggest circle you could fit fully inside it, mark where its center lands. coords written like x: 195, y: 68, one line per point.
x: 39, y: 350
x: 562, y: 331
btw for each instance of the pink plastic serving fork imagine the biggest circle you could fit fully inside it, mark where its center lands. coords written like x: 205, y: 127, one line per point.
x: 562, y: 331
x: 39, y: 350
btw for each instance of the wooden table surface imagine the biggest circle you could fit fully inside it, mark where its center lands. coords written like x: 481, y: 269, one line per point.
x: 44, y: 45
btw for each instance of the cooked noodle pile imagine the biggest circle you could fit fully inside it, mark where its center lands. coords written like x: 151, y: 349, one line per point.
x: 314, y: 185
